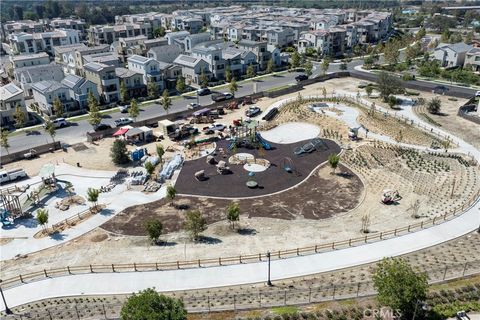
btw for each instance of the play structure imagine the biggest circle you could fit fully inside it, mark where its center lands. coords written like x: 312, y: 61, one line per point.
x: 315, y: 144
x: 390, y: 196
x: 289, y: 167
x: 245, y: 135
x: 353, y: 132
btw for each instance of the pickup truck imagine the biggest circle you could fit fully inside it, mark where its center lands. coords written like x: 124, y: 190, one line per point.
x: 12, y: 175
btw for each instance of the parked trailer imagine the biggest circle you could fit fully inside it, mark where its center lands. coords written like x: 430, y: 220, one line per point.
x: 12, y: 175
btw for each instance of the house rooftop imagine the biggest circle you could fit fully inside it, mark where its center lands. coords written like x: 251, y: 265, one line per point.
x: 9, y: 91
x: 71, y: 81
x: 30, y: 56
x: 138, y: 59
x: 124, y: 72
x: 47, y: 86
x: 95, y: 66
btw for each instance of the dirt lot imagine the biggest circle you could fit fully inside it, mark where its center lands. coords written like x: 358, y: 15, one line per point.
x: 316, y: 198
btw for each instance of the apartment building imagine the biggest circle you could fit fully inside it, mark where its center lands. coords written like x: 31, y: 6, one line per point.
x: 165, y: 54
x: 71, y: 56
x: 106, y: 80
x: 69, y: 23
x: 25, y: 26
x: 260, y: 49
x: 42, y: 42
x: 29, y: 60
x: 133, y: 82
x: 190, y: 23
x: 191, y: 40
x: 11, y: 96
x: 27, y: 76
x: 155, y: 19
x: 79, y: 89
x: 108, y: 34
x: 192, y: 68
x: 149, y: 68
x: 45, y: 92
x: 320, y: 40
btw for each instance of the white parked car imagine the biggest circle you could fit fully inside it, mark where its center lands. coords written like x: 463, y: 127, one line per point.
x: 477, y: 94
x: 124, y: 109
x: 123, y: 121
x: 59, y: 123
x: 193, y: 105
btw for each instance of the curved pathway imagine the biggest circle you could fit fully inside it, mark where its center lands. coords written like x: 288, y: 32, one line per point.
x: 116, y: 283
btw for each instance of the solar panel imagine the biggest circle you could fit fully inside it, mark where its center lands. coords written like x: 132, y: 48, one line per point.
x: 11, y: 89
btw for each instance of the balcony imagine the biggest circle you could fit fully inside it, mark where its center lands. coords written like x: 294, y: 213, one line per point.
x: 111, y: 88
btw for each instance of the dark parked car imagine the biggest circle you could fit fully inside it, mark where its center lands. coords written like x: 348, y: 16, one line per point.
x: 301, y: 77
x: 102, y: 127
x: 203, y: 91
x: 221, y: 96
x: 440, y: 89
x: 270, y: 115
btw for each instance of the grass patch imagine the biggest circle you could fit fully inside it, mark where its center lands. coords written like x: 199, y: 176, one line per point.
x: 87, y: 116
x: 455, y: 283
x: 277, y: 88
x: 287, y: 310
x: 430, y: 120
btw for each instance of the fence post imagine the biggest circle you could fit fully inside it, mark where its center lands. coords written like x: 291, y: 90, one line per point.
x: 259, y: 257
x: 21, y: 279
x: 395, y: 233
x: 333, y: 245
x: 333, y: 296
x: 365, y: 239
x: 234, y: 302
x: 113, y: 268
x: 156, y: 266
x: 408, y: 228
x: 178, y: 265
x: 45, y: 272
x: 76, y: 310
x: 279, y: 254
x: 91, y: 270
x: 285, y: 297
x: 421, y: 225
x: 68, y: 268
x: 358, y: 289
x: 134, y: 266
x: 297, y: 252
x: 240, y: 258
x: 208, y: 300
x: 104, y: 311
x: 199, y: 263
x: 219, y: 261
x: 309, y: 294
x: 315, y: 249
x: 434, y: 220
x: 381, y: 235
x: 445, y: 273
x: 464, y: 269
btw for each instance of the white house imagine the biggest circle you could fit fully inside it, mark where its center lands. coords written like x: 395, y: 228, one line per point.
x: 27, y: 76
x: 28, y: 60
x: 192, y: 68
x: 45, y: 92
x: 451, y: 55
x: 42, y: 42
x: 79, y: 89
x: 149, y: 68
x: 11, y: 96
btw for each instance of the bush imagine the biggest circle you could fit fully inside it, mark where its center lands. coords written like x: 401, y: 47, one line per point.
x: 118, y: 152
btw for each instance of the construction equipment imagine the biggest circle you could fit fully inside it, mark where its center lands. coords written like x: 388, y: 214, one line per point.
x: 390, y: 196
x: 232, y: 105
x: 353, y: 133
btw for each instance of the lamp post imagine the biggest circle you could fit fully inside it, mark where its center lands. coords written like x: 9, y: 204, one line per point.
x: 269, y: 283
x: 7, y: 309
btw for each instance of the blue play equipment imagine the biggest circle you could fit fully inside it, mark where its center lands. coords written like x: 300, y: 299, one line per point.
x: 138, y: 154
x: 264, y: 142
x: 5, y: 217
x: 232, y: 144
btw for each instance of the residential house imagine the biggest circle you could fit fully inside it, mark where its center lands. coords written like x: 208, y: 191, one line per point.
x: 45, y: 92
x: 27, y: 76
x: 191, y: 40
x: 211, y: 52
x: 472, y: 59
x: 108, y: 34
x: 105, y: 79
x: 133, y: 82
x: 107, y: 58
x: 69, y: 23
x: 149, y: 68
x: 177, y: 38
x: 320, y: 40
x: 42, y: 42
x: 26, y: 26
x: 79, y: 90
x: 11, y: 96
x: 71, y: 57
x: 280, y: 37
x: 451, y: 55
x: 126, y: 43
x: 28, y: 60
x: 192, y: 68
x: 165, y: 54
x: 259, y: 49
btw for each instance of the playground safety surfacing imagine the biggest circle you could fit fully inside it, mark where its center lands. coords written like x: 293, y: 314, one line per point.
x: 286, y: 170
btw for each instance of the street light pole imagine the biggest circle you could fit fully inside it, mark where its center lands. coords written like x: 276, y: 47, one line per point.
x: 269, y: 283
x: 7, y: 309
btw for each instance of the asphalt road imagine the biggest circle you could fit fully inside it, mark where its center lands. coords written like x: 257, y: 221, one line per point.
x: 76, y: 132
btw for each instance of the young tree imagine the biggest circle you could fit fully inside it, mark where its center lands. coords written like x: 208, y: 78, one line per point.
x: 421, y: 33
x: 159, y: 32
x: 228, y: 74
x: 233, y: 213
x: 152, y: 89
x: 166, y: 101
x: 180, y: 86
x: 251, y: 71
x: 434, y: 105
x: 58, y: 109
x: 324, y: 92
x: 4, y: 139
x: 42, y: 217
x: 399, y: 287
x: 233, y: 87
x: 19, y: 117
x: 308, y: 66
x: 333, y: 160
x: 195, y: 223
x: 368, y: 90
x: 154, y: 229
x: 149, y: 305
x: 171, y: 193
x: 123, y: 92
x: 92, y: 196
x: 391, y: 52
x: 149, y: 167
x: 134, y: 110
x: 69, y: 189
x: 94, y: 111
x: 50, y: 129
x: 325, y: 65
x: 295, y: 59
x: 203, y: 79
x: 388, y: 84
x: 119, y: 153
x: 270, y: 66
x: 160, y: 151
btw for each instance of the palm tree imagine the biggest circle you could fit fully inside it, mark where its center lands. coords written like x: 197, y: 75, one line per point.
x: 333, y: 160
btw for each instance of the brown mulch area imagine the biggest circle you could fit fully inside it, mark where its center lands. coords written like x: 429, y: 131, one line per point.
x: 274, y: 179
x: 321, y: 196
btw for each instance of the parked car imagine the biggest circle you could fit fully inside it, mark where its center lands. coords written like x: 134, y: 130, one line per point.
x: 440, y: 89
x: 12, y: 175
x: 222, y: 96
x: 270, y: 115
x: 477, y: 94
x: 193, y: 105
x: 301, y: 77
x: 462, y: 315
x: 123, y: 121
x: 124, y: 109
x: 59, y: 123
x: 203, y: 91
x: 253, y: 111
x: 214, y: 127
x: 102, y: 127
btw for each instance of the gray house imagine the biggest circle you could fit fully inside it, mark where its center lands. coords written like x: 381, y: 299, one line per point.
x: 30, y: 75
x: 79, y: 89
x: 451, y: 55
x: 45, y: 92
x: 192, y: 68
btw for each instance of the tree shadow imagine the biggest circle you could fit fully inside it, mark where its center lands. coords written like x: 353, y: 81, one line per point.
x: 247, y: 231
x: 107, y: 212
x: 208, y: 240
x: 167, y: 243
x: 27, y: 223
x: 58, y: 236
